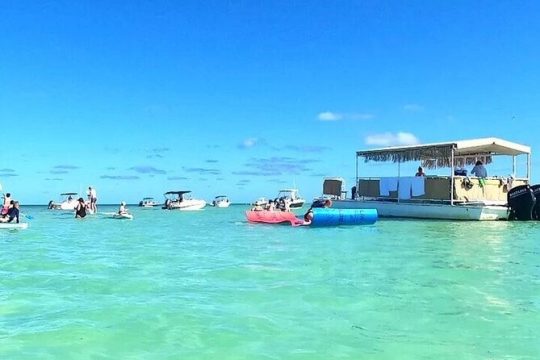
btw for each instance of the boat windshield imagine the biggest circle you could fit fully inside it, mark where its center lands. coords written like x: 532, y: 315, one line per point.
x: 288, y: 193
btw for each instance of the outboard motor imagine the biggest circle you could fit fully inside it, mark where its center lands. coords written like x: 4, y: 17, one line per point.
x: 167, y: 204
x: 318, y: 203
x: 521, y: 201
x: 536, y: 210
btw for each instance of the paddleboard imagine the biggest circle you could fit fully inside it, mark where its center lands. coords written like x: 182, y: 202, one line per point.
x: 122, y: 216
x: 13, y: 225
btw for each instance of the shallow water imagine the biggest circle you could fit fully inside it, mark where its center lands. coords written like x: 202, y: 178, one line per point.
x: 207, y: 284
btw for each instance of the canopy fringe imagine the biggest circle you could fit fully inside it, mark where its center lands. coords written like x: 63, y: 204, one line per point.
x: 431, y: 158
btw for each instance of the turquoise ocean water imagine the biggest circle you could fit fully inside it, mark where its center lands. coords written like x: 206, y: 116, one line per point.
x: 208, y: 285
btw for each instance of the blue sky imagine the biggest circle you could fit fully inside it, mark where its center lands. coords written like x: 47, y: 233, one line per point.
x: 244, y: 97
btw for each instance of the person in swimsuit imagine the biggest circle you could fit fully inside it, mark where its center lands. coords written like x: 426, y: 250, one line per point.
x: 7, y: 204
x: 92, y: 197
x: 80, y: 209
x: 13, y: 213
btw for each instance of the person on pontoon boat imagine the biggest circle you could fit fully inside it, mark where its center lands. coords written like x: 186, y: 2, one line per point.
x: 479, y: 170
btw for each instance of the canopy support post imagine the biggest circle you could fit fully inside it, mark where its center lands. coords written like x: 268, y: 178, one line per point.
x: 529, y: 168
x: 452, y: 177
x: 399, y: 178
x: 356, y: 182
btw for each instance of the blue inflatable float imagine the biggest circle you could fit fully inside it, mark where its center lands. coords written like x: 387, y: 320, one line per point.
x: 334, y: 217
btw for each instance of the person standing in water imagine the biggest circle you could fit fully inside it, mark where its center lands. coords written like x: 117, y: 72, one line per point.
x: 92, y: 197
x: 80, y: 209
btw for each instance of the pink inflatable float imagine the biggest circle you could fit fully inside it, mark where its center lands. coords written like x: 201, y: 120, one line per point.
x: 273, y: 217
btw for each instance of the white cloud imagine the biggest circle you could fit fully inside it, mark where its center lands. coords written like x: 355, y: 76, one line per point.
x: 391, y: 139
x: 329, y: 116
x: 333, y: 116
x: 413, y: 108
x: 249, y: 143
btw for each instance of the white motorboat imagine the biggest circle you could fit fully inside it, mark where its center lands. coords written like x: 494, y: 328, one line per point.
x: 262, y: 201
x: 181, y: 200
x: 292, y: 195
x: 221, y: 201
x: 148, y: 202
x: 454, y: 197
x: 68, y: 201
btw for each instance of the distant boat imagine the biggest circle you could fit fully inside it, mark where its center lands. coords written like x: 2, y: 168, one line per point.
x: 221, y: 201
x: 260, y: 202
x: 295, y: 200
x: 148, y: 202
x: 179, y: 200
x: 68, y: 201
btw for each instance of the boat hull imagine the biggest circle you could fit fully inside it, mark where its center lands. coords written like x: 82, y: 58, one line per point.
x: 187, y: 205
x: 427, y: 210
x: 297, y: 204
x: 66, y: 205
x: 222, y: 204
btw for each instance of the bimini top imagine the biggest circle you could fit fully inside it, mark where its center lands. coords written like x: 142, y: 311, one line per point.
x: 177, y: 192
x: 68, y: 193
x: 439, y: 154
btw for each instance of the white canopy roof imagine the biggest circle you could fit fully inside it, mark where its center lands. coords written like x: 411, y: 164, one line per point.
x: 492, y: 146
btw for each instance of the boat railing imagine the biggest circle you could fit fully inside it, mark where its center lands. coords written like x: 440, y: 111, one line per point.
x: 437, y: 189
